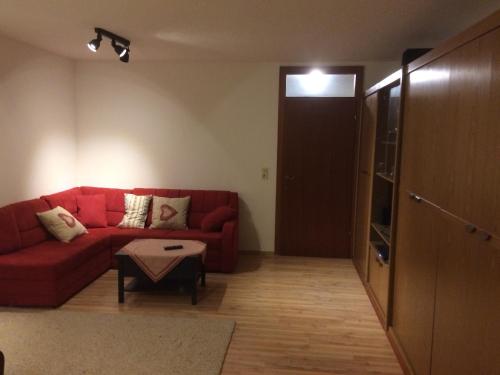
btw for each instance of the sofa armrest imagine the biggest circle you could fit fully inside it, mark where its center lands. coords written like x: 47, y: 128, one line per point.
x: 230, y: 248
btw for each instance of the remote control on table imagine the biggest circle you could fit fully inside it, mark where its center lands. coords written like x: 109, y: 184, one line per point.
x: 173, y: 247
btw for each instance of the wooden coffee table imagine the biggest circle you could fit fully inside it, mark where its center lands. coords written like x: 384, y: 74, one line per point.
x: 187, y: 273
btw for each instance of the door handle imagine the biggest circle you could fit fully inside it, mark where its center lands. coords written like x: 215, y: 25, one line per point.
x: 289, y: 178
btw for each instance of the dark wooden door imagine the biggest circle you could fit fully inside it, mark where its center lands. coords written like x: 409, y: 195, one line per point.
x: 316, y: 172
x: 363, y: 191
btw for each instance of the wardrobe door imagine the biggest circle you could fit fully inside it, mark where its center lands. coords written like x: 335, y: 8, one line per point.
x: 419, y: 225
x: 474, y: 102
x: 451, y: 155
x: 360, y: 249
x: 467, y: 315
x: 425, y: 143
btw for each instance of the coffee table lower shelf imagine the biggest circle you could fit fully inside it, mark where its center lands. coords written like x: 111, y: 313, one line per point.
x: 186, y: 274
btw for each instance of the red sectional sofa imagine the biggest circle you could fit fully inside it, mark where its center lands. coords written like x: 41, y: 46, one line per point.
x: 38, y: 270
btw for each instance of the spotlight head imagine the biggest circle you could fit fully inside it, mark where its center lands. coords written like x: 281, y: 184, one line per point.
x: 125, y: 56
x: 121, y: 51
x: 94, y: 44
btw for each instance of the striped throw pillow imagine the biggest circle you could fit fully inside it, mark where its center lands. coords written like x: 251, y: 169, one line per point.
x: 136, y: 211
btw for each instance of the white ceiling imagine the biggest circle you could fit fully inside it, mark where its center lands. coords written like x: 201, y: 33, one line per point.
x: 242, y: 30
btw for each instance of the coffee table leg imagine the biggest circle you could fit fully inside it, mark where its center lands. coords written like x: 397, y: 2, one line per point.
x: 121, y: 282
x: 194, y: 291
x: 203, y: 283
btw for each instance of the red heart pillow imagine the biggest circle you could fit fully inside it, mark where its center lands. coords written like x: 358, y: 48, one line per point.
x: 92, y: 210
x: 214, y: 221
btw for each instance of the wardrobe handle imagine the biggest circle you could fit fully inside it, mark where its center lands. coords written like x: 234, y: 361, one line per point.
x: 415, y: 197
x: 470, y: 228
x: 485, y: 236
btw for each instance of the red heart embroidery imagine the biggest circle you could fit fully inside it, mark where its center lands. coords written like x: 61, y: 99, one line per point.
x: 69, y: 220
x: 167, y: 212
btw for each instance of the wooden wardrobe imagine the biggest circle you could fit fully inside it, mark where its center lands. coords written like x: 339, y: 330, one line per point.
x: 443, y: 307
x: 446, y: 293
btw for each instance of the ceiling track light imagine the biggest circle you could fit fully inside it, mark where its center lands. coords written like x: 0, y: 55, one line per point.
x: 119, y: 44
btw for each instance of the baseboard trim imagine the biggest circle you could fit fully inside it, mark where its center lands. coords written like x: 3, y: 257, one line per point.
x: 398, y: 350
x: 376, y: 306
x: 257, y: 252
x: 360, y: 274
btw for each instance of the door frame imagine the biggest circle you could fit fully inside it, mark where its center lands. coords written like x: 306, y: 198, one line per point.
x: 358, y: 96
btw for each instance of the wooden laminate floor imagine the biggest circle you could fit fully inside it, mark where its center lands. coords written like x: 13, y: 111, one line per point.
x: 294, y: 316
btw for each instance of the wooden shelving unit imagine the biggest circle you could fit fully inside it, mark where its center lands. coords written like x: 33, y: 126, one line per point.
x: 382, y: 200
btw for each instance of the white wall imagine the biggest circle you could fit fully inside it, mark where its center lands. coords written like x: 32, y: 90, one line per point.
x: 187, y: 125
x: 179, y: 125
x: 37, y: 122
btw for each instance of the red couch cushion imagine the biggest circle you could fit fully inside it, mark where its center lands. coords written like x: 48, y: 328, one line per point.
x: 66, y: 199
x: 51, y: 260
x: 31, y: 231
x: 10, y: 239
x: 214, y: 220
x: 202, y: 201
x: 53, y: 292
x: 92, y: 210
x: 115, y: 202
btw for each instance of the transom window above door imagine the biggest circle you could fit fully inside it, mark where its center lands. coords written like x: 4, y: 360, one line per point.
x: 318, y: 84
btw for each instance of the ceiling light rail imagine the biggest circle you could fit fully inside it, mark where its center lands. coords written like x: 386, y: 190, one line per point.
x: 119, y: 44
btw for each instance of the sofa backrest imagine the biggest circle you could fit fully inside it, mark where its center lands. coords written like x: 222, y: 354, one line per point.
x: 31, y: 231
x: 66, y: 199
x: 10, y: 240
x: 115, y: 202
x: 202, y: 201
x: 20, y: 227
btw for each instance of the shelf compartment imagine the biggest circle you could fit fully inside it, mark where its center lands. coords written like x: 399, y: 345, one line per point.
x: 385, y: 177
x: 382, y: 251
x: 378, y: 278
x: 384, y: 231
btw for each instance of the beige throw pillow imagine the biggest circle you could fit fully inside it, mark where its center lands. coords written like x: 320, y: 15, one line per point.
x: 170, y: 213
x: 136, y: 211
x: 61, y: 224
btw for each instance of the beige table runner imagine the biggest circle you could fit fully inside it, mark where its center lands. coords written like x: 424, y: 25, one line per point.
x: 155, y: 262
